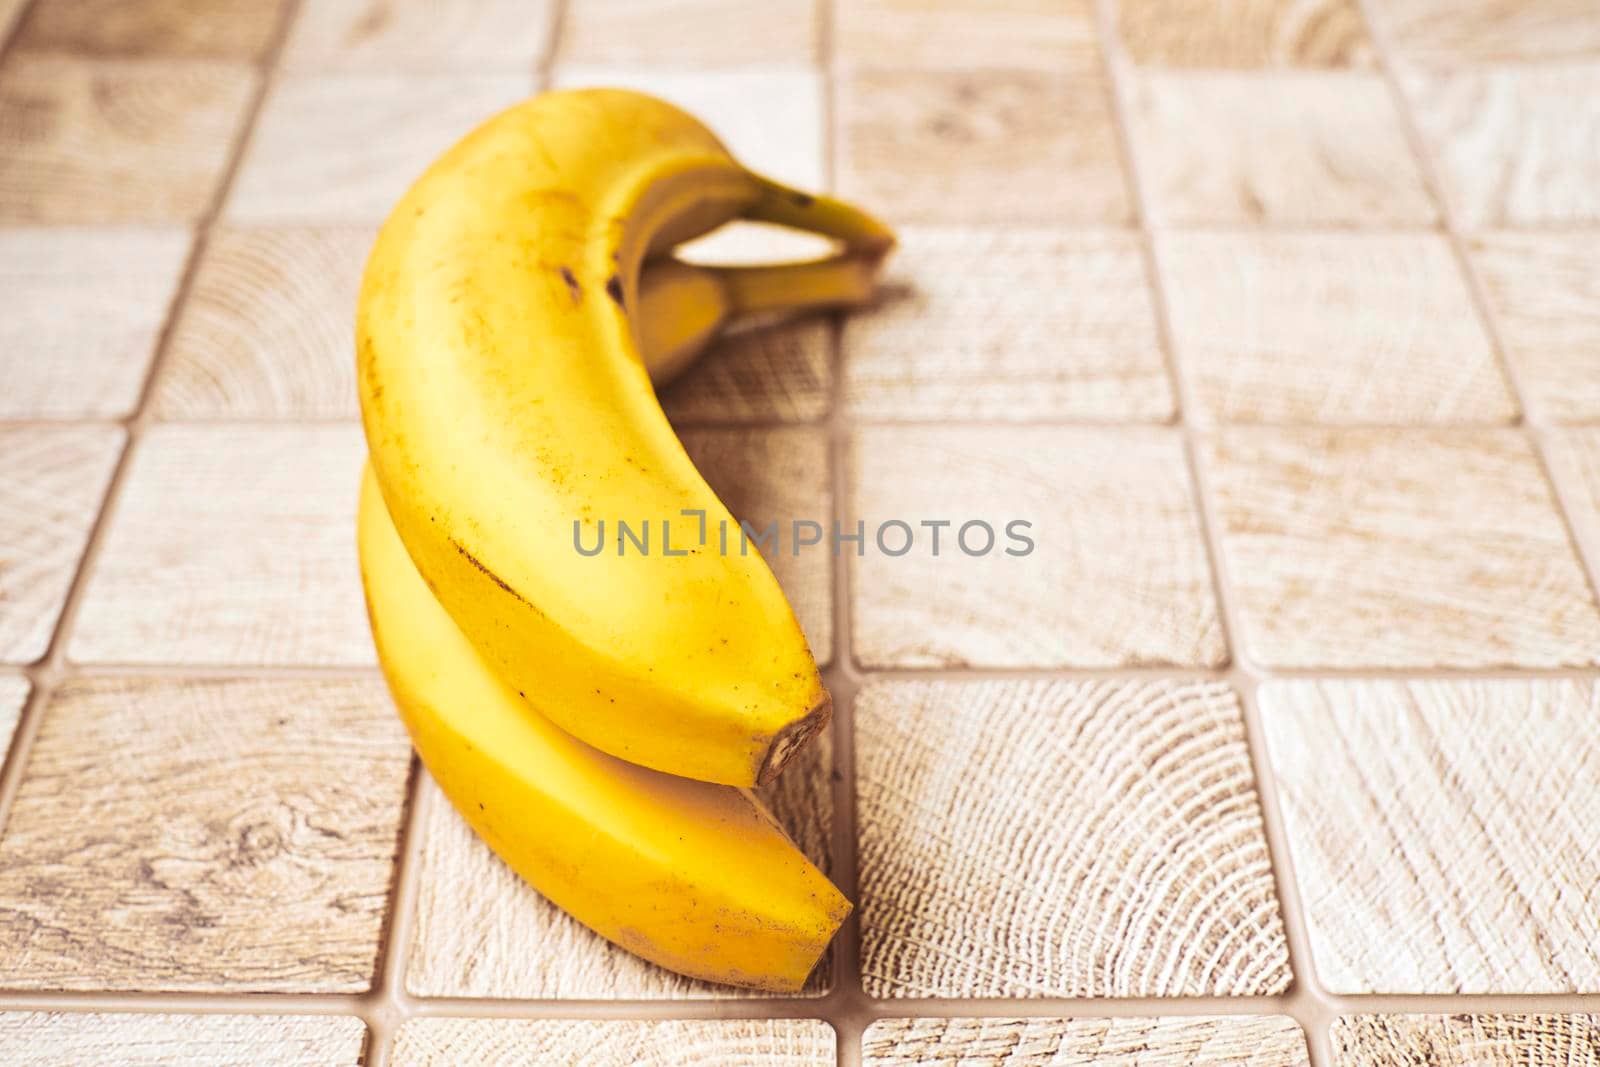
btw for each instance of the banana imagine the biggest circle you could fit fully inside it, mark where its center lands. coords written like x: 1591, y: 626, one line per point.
x: 508, y: 413
x: 693, y: 876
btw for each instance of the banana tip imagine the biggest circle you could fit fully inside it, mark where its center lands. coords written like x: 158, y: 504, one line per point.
x: 794, y: 737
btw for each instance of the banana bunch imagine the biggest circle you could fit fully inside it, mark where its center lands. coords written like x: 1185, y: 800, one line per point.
x: 597, y: 718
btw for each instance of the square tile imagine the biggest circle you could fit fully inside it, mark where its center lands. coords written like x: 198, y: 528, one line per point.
x: 1306, y: 148
x: 231, y: 545
x: 1513, y: 145
x: 209, y: 29
x: 438, y: 1042
x: 1470, y: 32
x: 52, y: 480
x: 1544, y: 292
x: 242, y: 840
x: 1244, y: 33
x: 1329, y: 327
x: 1437, y: 831
x: 1463, y: 1040
x: 410, y: 38
x: 1010, y: 324
x: 139, y: 1039
x: 14, y: 690
x: 1112, y: 524
x: 781, y: 373
x: 115, y: 142
x: 689, y: 33
x: 1172, y: 1041
x: 1398, y: 548
x: 1023, y: 147
x: 1573, y: 453
x: 963, y: 33
x: 81, y: 312
x: 1061, y: 839
x: 268, y: 326
x: 343, y: 148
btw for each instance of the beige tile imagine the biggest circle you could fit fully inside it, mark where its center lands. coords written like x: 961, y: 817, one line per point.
x: 52, y: 481
x: 505, y: 940
x: 445, y: 1042
x: 405, y: 37
x: 990, y: 323
x: 1463, y: 1040
x: 1324, y: 149
x: 211, y: 29
x: 231, y: 545
x: 1449, y: 32
x: 9, y: 10
x: 1544, y: 292
x: 115, y: 142
x: 1329, y: 327
x: 782, y: 373
x: 268, y: 327
x: 1174, y: 1041
x: 1244, y: 33
x: 1035, y: 839
x: 689, y: 33
x: 1117, y: 576
x: 80, y: 314
x: 14, y: 690
x: 242, y: 839
x: 1573, y: 453
x: 343, y: 148
x: 1407, y: 549
x: 52, y: 1038
x: 1026, y: 147
x: 1514, y: 146
x: 950, y: 34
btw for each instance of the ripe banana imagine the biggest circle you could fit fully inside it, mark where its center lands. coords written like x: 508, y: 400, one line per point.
x: 693, y: 876
x: 506, y: 408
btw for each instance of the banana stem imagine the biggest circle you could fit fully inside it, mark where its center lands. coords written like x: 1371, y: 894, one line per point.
x: 784, y: 206
x: 839, y: 281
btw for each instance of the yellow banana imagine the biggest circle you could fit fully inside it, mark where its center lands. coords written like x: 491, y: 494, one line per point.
x: 693, y: 876
x: 508, y: 414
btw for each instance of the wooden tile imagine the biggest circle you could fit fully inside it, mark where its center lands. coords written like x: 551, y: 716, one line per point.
x: 1573, y: 453
x: 1010, y: 324
x: 1435, y: 831
x: 1409, y: 549
x: 1466, y: 32
x: 52, y: 480
x: 963, y: 33
x: 505, y: 940
x: 1466, y: 1040
x: 1544, y: 292
x: 982, y: 146
x: 1174, y: 1041
x: 115, y: 142
x: 1322, y: 149
x: 9, y: 11
x: 1113, y: 525
x: 242, y: 839
x: 1514, y: 145
x: 14, y: 690
x: 1244, y: 33
x: 268, y: 326
x: 690, y: 34
x: 231, y: 545
x: 211, y: 29
x: 410, y: 38
x: 80, y: 314
x: 445, y: 1042
x: 1328, y: 327
x: 343, y: 148
x: 781, y: 373
x: 138, y: 1039
x: 1035, y: 839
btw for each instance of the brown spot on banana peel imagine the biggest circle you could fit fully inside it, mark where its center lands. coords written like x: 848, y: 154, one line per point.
x: 572, y: 285
x: 493, y: 577
x: 793, y: 738
x: 614, y: 291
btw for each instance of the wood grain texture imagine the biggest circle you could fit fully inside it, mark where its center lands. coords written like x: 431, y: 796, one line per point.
x: 1118, y: 575
x: 231, y: 545
x: 990, y: 323
x: 52, y: 480
x: 242, y: 839
x: 948, y: 34
x: 1544, y: 292
x: 14, y: 690
x: 208, y: 29
x: 115, y: 142
x: 1398, y: 548
x: 1028, y: 839
x: 1469, y: 32
x: 1329, y: 328
x: 1294, y: 148
x: 689, y: 33
x: 446, y: 1042
x: 129, y: 1039
x: 396, y: 35
x: 981, y: 146
x: 500, y: 938
x: 1573, y: 453
x: 1466, y: 1041
x: 268, y: 326
x: 80, y: 313
x: 780, y: 373
x: 1514, y: 145
x: 1175, y: 1041
x: 343, y: 148
x: 1244, y: 33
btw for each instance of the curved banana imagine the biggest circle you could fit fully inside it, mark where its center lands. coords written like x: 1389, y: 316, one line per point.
x: 509, y: 415
x: 694, y: 876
